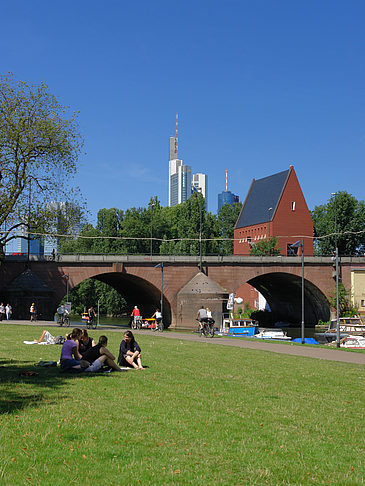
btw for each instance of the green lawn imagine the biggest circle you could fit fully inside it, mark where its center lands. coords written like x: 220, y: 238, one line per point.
x: 200, y: 414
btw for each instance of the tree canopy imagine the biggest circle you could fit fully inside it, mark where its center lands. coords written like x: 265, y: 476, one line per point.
x: 174, y: 230
x: 343, y: 215
x: 40, y: 143
x: 265, y: 247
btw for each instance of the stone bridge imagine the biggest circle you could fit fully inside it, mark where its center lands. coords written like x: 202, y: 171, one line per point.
x: 138, y: 280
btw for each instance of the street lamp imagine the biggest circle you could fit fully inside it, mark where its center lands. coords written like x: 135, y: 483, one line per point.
x: 200, y: 228
x: 337, y: 302
x: 29, y: 204
x: 300, y: 244
x: 66, y: 277
x: 160, y: 265
x: 152, y: 205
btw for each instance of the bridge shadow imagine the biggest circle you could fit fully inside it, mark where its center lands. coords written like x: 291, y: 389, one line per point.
x: 19, y: 392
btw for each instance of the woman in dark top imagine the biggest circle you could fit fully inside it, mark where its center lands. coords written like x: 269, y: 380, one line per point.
x: 130, y: 352
x: 85, y: 342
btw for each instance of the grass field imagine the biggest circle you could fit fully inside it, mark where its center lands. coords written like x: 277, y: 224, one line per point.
x: 200, y: 414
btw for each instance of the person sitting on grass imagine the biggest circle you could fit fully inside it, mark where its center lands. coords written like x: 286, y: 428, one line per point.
x: 99, y: 355
x: 85, y: 342
x: 130, y: 352
x: 70, y: 356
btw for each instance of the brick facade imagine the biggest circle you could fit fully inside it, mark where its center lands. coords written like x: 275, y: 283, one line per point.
x: 290, y: 221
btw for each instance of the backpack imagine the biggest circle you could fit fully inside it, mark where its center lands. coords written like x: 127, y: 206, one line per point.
x: 60, y: 340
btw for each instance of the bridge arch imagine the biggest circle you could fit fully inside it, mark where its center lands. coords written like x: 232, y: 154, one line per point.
x: 136, y: 290
x: 283, y: 292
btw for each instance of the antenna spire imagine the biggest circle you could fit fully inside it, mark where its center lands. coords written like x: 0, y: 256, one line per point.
x: 226, y: 180
x: 176, y: 139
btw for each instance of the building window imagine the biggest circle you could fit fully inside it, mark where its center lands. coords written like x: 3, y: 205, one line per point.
x: 362, y: 303
x: 293, y: 206
x: 290, y: 251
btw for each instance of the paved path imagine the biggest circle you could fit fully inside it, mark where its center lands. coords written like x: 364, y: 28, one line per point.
x: 331, y: 354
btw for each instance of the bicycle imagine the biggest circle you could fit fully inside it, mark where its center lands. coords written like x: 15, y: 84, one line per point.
x: 158, y: 325
x: 138, y: 322
x: 206, y: 329
x: 64, y: 320
x: 91, y: 323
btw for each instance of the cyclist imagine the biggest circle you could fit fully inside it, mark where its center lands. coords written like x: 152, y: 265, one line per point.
x: 60, y: 312
x: 92, y: 314
x: 211, y: 321
x: 202, y: 317
x: 66, y: 316
x: 136, y: 316
x: 158, y: 318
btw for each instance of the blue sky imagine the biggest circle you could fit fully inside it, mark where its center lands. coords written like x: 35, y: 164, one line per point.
x: 258, y: 85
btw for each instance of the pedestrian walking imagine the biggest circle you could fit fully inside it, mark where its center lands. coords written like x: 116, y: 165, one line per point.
x: 8, y: 311
x: 33, y: 312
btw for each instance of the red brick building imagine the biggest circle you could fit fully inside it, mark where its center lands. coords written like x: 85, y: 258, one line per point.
x: 274, y: 206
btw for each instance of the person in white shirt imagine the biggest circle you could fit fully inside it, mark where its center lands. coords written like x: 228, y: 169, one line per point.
x: 9, y: 311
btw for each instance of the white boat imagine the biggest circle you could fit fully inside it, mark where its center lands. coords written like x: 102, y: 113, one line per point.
x: 351, y: 325
x: 273, y: 334
x: 353, y: 342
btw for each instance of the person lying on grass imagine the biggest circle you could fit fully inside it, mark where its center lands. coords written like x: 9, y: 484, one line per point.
x: 130, y: 352
x: 46, y: 336
x: 85, y: 342
x: 70, y: 356
x: 99, y: 355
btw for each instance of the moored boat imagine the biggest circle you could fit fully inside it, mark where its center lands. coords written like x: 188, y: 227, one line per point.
x: 348, y: 325
x: 273, y: 334
x: 353, y: 342
x: 242, y: 327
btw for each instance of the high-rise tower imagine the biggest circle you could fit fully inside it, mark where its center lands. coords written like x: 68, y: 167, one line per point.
x: 179, y: 174
x: 200, y: 184
x: 227, y: 197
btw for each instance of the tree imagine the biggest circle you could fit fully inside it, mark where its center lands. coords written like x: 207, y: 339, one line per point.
x: 39, y: 147
x: 344, y: 215
x: 175, y: 230
x: 90, y: 291
x: 265, y: 247
x: 345, y: 305
x: 226, y: 221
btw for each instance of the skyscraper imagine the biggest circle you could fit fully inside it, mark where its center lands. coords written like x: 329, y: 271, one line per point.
x: 227, y: 197
x: 36, y: 246
x: 179, y: 175
x: 179, y: 182
x: 200, y: 184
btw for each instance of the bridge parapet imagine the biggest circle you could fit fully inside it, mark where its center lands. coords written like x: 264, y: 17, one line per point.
x: 211, y: 259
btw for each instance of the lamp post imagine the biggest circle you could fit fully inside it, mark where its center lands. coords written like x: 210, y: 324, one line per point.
x: 160, y: 265
x: 29, y: 204
x: 268, y: 240
x: 337, y: 302
x: 200, y: 228
x: 66, y: 277
x: 152, y: 205
x: 300, y: 244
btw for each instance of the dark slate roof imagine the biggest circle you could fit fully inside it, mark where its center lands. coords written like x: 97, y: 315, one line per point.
x: 264, y: 194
